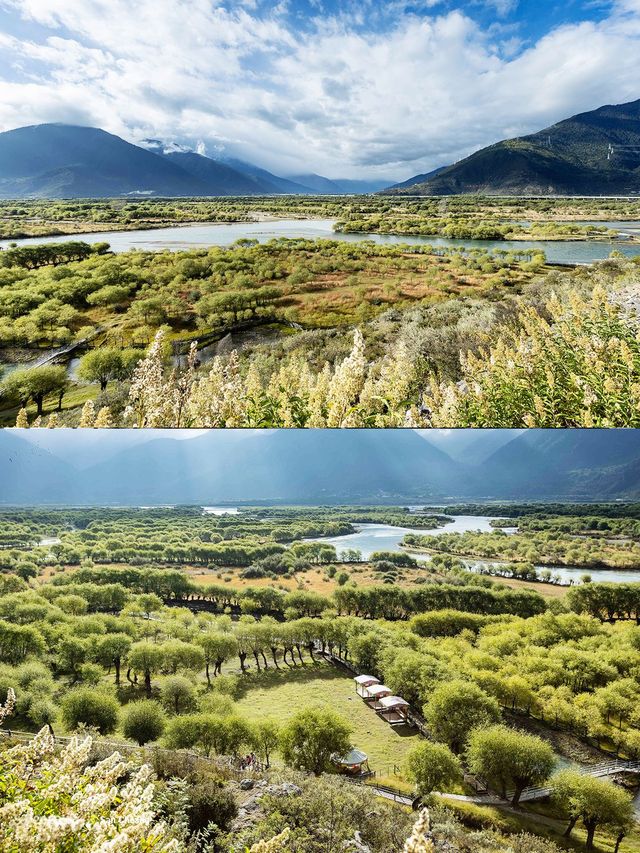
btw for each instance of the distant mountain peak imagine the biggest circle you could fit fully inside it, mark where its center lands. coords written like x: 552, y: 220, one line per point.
x: 591, y: 153
x: 158, y: 146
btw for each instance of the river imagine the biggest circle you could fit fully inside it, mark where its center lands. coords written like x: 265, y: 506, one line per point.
x: 385, y: 537
x: 215, y: 234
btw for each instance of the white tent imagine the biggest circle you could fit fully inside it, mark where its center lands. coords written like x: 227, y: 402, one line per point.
x: 393, y: 709
x: 363, y: 682
x: 378, y: 690
x: 389, y: 702
x: 366, y: 679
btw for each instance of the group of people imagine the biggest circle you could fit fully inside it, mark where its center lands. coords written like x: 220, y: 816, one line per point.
x: 249, y: 762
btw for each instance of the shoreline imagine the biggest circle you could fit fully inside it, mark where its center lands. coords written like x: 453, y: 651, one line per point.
x: 415, y: 549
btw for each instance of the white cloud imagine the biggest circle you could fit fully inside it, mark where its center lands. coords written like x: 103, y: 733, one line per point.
x: 339, y: 100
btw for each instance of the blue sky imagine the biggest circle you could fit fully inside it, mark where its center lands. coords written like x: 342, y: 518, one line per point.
x: 338, y: 87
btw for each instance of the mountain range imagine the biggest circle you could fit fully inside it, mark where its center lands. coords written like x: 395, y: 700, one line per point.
x: 314, y: 466
x: 593, y: 153
x: 67, y: 161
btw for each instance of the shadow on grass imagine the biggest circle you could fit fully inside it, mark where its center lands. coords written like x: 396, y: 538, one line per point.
x: 404, y: 730
x: 299, y: 674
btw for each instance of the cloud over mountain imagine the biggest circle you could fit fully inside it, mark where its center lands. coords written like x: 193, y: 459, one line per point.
x: 358, y: 90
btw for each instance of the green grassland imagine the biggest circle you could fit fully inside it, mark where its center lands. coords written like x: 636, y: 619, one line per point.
x: 281, y: 694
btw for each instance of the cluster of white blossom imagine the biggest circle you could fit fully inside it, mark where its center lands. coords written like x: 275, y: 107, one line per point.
x: 88, y: 418
x: 6, y: 710
x: 278, y: 844
x: 53, y: 800
x: 418, y: 841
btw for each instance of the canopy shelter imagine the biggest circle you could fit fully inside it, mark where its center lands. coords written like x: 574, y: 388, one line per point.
x: 355, y: 762
x: 393, y: 709
x: 363, y: 682
x: 375, y: 693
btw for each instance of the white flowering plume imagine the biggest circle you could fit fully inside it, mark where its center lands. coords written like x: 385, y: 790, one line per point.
x: 418, y: 841
x: 54, y: 800
x: 278, y: 844
x: 6, y: 710
x: 355, y: 392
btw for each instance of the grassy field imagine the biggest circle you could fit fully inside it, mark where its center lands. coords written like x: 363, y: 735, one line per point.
x: 281, y: 694
x: 316, y: 579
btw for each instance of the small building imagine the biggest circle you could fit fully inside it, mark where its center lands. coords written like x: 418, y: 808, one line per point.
x: 375, y: 693
x: 354, y: 763
x: 363, y: 682
x: 393, y: 709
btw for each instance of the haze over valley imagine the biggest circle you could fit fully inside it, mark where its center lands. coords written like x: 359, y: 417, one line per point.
x: 317, y: 466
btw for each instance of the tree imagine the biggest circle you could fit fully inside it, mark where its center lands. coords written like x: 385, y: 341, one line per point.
x: 594, y: 801
x: 110, y: 651
x: 265, y: 736
x: 177, y: 694
x: 90, y: 707
x: 176, y: 654
x: 147, y: 659
x: 18, y: 642
x: 143, y: 721
x: 311, y: 736
x: 433, y: 767
x: 107, y: 363
x: 35, y: 383
x: 456, y: 708
x: 218, y: 647
x: 71, y: 653
x: 510, y: 758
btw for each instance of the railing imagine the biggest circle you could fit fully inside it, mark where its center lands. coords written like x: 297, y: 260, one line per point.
x: 229, y: 764
x: 386, y: 791
x: 606, y: 769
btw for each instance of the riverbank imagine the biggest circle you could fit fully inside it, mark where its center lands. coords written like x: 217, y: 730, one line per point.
x: 183, y: 236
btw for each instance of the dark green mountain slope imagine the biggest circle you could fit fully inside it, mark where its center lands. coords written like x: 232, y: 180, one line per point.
x: 585, y: 463
x: 593, y: 153
x: 66, y: 161
x: 58, y: 160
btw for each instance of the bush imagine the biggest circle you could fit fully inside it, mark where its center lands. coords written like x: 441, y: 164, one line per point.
x: 143, y: 721
x: 447, y: 623
x: 210, y: 802
x: 86, y: 706
x: 549, y: 372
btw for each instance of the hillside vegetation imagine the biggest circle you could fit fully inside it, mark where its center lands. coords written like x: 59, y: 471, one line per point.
x: 451, y: 302
x: 103, y: 633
